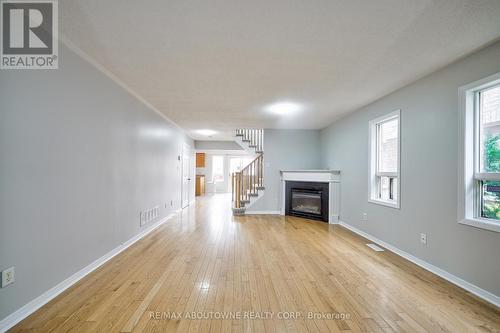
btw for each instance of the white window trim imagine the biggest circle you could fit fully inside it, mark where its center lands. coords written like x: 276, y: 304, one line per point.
x: 467, y: 141
x: 372, y: 161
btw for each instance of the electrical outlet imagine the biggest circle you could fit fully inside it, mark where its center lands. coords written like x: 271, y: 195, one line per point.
x: 364, y: 217
x: 7, y: 277
x: 423, y: 238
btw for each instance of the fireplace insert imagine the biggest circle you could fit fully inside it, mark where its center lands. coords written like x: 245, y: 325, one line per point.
x: 307, y: 199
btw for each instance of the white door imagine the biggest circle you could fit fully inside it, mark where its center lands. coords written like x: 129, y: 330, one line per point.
x: 186, y: 180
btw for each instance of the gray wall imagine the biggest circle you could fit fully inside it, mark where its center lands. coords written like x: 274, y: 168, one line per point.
x: 79, y: 158
x: 285, y: 149
x: 217, y: 145
x: 429, y: 162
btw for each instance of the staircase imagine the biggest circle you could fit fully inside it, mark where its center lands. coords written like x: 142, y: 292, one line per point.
x: 248, y: 184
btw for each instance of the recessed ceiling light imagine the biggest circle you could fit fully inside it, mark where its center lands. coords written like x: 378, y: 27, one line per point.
x: 206, y: 132
x: 284, y: 108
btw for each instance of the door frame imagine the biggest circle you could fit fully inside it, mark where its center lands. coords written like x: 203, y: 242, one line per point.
x: 185, y: 157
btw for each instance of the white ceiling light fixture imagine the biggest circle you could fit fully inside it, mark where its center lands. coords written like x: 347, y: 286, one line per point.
x: 284, y: 108
x: 206, y: 132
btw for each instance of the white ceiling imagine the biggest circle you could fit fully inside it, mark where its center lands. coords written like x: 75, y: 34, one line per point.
x: 217, y: 64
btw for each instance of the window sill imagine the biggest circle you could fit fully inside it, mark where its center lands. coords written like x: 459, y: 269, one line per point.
x: 394, y: 205
x: 482, y: 224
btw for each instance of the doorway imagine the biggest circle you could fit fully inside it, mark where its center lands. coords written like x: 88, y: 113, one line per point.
x: 186, y: 175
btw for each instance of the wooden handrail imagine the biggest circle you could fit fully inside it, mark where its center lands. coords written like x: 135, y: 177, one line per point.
x: 247, y: 181
x: 250, y: 163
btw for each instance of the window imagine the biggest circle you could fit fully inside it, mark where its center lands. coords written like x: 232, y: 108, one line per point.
x: 218, y: 169
x: 479, y: 193
x: 384, y: 160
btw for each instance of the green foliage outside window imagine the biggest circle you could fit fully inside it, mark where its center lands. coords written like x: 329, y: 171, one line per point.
x: 491, y: 197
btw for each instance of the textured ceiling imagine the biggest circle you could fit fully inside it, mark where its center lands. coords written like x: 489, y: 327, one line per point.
x: 217, y: 64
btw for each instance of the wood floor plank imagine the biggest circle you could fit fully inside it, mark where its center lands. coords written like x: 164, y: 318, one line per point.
x: 205, y: 262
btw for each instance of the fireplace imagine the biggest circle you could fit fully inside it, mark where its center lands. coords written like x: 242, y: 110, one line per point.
x: 307, y: 199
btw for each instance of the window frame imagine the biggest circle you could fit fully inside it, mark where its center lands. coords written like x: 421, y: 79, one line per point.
x: 373, y: 174
x: 469, y: 156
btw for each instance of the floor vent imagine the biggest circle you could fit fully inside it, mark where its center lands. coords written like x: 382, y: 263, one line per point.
x: 375, y: 247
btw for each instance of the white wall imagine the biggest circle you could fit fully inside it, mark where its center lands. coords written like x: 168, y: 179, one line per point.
x: 429, y: 145
x: 79, y: 159
x: 285, y: 149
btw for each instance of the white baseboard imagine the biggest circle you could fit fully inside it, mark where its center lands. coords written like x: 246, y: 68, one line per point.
x: 23, y: 312
x: 263, y: 212
x: 473, y: 289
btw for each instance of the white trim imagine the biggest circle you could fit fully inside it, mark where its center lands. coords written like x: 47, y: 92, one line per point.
x: 481, y: 223
x: 27, y: 309
x: 466, y: 193
x: 493, y: 176
x: 384, y: 203
x: 263, y: 212
x: 473, y: 289
x: 372, y: 160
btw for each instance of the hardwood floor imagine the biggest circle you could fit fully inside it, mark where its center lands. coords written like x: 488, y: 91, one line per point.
x: 270, y: 267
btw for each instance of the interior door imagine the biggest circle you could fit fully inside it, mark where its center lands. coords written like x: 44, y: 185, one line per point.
x: 186, y: 180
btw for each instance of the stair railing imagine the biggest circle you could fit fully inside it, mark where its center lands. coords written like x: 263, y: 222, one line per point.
x: 255, y: 137
x: 246, y: 182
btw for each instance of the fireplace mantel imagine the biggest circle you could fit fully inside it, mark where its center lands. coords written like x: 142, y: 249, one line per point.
x: 330, y: 176
x: 311, y: 175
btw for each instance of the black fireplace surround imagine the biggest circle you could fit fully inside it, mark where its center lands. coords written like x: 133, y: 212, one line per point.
x: 307, y: 199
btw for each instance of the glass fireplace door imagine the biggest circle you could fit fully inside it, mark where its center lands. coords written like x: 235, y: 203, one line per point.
x: 306, y: 201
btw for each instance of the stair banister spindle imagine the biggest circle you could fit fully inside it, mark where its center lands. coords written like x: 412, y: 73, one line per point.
x: 253, y: 179
x: 247, y: 185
